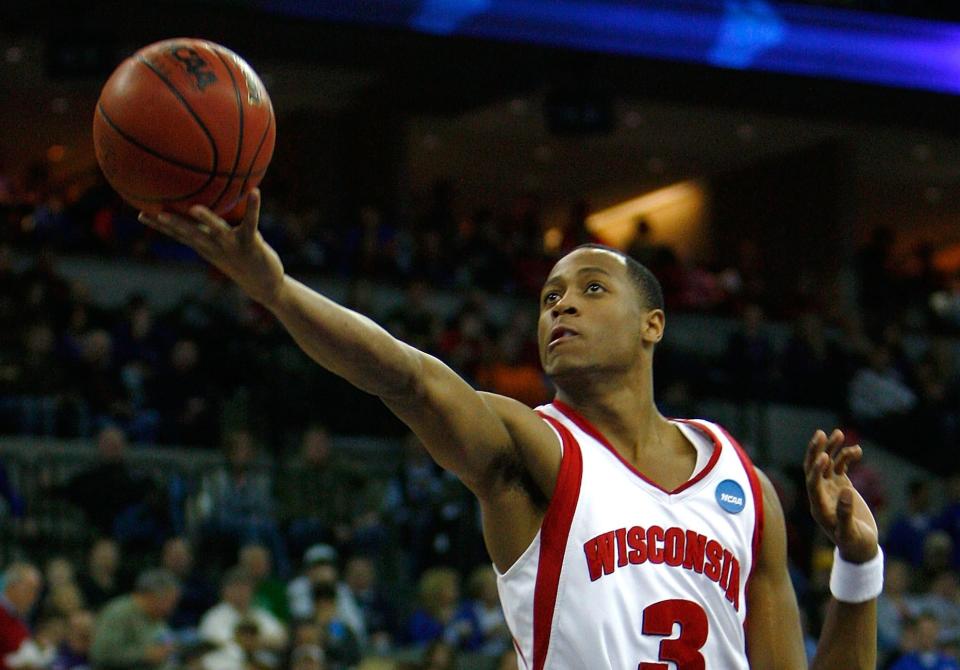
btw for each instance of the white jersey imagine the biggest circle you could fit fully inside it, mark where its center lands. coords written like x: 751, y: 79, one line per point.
x: 624, y: 574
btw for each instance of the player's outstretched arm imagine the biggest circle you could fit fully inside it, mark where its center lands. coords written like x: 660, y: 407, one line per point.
x: 463, y: 433
x: 849, y: 635
x: 848, y: 638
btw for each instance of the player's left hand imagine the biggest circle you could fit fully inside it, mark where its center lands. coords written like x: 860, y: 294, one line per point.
x: 836, y: 505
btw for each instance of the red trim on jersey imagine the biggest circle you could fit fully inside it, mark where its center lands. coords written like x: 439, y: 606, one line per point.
x: 757, y: 492
x: 516, y: 645
x: 590, y: 430
x: 553, y: 541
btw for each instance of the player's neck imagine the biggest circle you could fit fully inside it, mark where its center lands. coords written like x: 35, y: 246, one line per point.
x: 623, y: 412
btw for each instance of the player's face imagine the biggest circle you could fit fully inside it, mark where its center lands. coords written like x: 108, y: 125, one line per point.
x: 590, y: 314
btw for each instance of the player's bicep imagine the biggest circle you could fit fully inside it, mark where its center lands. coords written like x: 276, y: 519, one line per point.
x: 774, y: 635
x: 462, y: 429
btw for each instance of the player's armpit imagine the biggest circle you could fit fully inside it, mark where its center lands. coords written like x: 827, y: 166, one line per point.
x: 774, y: 634
x: 478, y: 437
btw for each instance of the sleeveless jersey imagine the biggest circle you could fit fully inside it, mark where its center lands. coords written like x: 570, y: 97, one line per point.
x: 626, y: 575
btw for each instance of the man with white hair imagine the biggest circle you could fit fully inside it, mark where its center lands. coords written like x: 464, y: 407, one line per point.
x: 21, y: 589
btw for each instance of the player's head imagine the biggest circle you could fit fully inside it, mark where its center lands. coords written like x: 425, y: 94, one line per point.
x: 600, y: 310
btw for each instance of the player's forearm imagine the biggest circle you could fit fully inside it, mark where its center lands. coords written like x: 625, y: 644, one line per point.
x: 848, y: 638
x: 345, y: 342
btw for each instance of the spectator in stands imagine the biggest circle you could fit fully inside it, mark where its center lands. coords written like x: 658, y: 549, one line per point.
x: 131, y: 631
x: 107, y: 489
x: 750, y: 356
x: 895, y: 606
x: 40, y: 650
x: 319, y: 567
x: 197, y: 593
x: 269, y: 592
x: 74, y: 651
x: 101, y: 581
x: 364, y: 605
x: 100, y: 383
x: 33, y: 381
x: 340, y: 646
x: 307, y: 657
x: 184, y: 393
x: 479, y: 620
x: 439, y: 655
x: 63, y: 600
x: 808, y: 365
x: 22, y: 584
x: 948, y: 520
x: 310, y: 517
x: 236, y: 604
x: 412, y: 500
x: 906, y: 534
x: 879, y: 398
x: 943, y: 602
x: 439, y: 593
x: 245, y: 650
x: 926, y: 653
x: 242, y: 508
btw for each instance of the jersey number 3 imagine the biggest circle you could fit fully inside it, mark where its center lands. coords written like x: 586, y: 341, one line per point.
x: 684, y: 650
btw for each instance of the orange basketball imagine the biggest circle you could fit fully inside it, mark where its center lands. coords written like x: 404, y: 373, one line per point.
x: 184, y: 122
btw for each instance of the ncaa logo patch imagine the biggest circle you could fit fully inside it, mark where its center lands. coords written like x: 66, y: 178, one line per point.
x: 730, y: 496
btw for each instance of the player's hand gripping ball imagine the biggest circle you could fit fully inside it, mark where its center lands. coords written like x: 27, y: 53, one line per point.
x: 184, y: 122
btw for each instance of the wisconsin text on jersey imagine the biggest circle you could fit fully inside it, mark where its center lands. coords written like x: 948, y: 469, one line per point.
x: 675, y: 547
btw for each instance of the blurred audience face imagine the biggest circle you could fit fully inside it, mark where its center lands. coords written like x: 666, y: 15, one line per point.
x: 360, y: 574
x: 177, y: 556
x: 255, y: 559
x: 240, y: 449
x: 111, y: 444
x: 80, y: 631
x: 59, y: 571
x: 104, y: 557
x: 306, y: 633
x: 22, y: 589
x: 307, y: 657
x: 97, y: 348
x: 239, y: 594
x: 65, y: 599
x: 928, y: 629
x: 159, y: 605
x: 896, y: 581
x: 438, y: 656
x: 315, y: 447
x: 323, y: 573
x: 184, y: 355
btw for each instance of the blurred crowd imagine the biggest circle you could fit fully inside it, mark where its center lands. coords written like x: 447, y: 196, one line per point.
x: 292, y: 579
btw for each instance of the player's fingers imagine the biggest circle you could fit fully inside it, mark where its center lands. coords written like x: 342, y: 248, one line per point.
x: 814, y: 449
x: 180, y: 229
x: 251, y: 217
x: 845, y: 512
x: 835, y: 443
x: 815, y: 473
x: 848, y: 456
x: 208, y: 222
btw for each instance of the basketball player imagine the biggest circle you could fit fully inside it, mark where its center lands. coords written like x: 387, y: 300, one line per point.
x: 621, y: 539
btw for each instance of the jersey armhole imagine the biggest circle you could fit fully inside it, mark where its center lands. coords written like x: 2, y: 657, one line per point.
x: 554, y: 426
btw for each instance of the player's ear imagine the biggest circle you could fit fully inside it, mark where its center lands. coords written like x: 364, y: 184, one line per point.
x: 651, y: 329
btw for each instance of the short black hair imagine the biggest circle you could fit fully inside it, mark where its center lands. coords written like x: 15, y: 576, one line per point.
x: 647, y: 285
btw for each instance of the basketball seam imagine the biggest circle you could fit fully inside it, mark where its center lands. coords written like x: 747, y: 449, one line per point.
x: 236, y: 160
x: 196, y: 117
x: 132, y: 140
x: 153, y: 152
x: 256, y: 154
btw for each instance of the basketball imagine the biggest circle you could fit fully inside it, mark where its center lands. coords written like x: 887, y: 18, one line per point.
x: 184, y: 122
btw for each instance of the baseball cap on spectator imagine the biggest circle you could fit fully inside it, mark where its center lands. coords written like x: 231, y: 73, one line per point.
x: 320, y: 553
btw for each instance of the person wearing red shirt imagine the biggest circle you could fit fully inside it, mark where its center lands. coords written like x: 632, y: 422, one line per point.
x: 21, y: 589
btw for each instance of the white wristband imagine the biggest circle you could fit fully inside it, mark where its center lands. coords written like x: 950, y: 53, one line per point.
x: 856, y: 582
